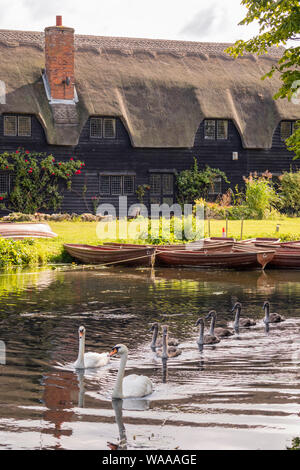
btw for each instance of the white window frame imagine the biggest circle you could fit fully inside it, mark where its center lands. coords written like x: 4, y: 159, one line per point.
x: 122, y: 176
x: 17, y: 119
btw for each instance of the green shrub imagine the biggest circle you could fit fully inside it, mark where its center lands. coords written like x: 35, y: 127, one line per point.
x: 38, y: 180
x: 260, y: 195
x: 289, y: 188
x: 194, y: 183
x: 18, y: 253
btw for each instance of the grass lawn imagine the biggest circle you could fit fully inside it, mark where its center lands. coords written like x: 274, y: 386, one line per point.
x: 85, y: 232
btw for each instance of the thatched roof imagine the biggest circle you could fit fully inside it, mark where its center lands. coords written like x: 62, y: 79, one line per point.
x: 161, y: 89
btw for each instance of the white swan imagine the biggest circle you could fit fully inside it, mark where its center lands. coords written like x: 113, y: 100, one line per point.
x: 89, y: 360
x: 132, y: 386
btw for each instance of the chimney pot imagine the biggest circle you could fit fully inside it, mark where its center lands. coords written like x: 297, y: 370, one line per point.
x: 59, y: 21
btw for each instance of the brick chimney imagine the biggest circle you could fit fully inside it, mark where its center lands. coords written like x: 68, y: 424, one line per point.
x: 59, y: 57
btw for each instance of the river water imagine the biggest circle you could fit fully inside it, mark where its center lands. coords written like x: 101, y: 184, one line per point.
x: 243, y: 393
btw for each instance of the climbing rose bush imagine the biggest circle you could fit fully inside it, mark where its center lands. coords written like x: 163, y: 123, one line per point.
x: 37, y: 180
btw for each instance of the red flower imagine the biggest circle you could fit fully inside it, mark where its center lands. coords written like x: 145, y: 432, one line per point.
x: 53, y: 173
x: 17, y: 151
x: 71, y: 158
x: 53, y: 160
x: 29, y: 171
x: 59, y: 163
x: 77, y: 172
x: 67, y: 174
x: 1, y: 198
x: 6, y: 166
x: 27, y: 151
x: 26, y: 161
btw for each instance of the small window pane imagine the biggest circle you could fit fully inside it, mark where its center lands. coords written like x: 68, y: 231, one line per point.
x: 24, y: 126
x: 155, y: 184
x: 167, y: 183
x: 109, y: 128
x: 96, y: 128
x: 116, y: 185
x: 105, y: 185
x: 216, y: 187
x: 209, y: 129
x: 154, y: 200
x: 285, y: 129
x: 222, y: 129
x: 10, y: 125
x: 128, y: 184
x: 4, y: 183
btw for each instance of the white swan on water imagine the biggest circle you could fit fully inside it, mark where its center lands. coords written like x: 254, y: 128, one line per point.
x: 132, y: 386
x: 89, y: 360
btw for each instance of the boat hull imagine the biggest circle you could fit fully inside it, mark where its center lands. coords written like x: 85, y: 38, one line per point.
x: 25, y: 230
x: 91, y: 254
x: 218, y: 260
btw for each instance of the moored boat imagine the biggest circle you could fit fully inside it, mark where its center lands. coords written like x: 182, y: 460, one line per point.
x: 287, y: 254
x: 105, y: 255
x: 285, y: 258
x: 234, y: 259
x: 25, y: 230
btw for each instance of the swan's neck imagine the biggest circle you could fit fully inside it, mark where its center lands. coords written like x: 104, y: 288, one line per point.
x: 80, y: 358
x: 154, y: 337
x: 212, y: 325
x: 165, y: 347
x: 201, y: 334
x: 117, y: 406
x: 237, y: 317
x: 267, y: 313
x: 118, y: 388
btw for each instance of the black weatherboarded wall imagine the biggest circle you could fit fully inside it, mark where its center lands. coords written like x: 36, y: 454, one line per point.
x: 118, y: 156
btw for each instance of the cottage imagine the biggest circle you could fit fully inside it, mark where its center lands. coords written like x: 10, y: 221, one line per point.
x: 138, y: 110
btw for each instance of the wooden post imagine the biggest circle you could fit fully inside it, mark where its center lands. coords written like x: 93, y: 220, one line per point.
x: 242, y: 226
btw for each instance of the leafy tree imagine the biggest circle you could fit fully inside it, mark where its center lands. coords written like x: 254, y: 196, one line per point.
x: 194, y: 184
x: 279, y: 21
x: 293, y: 142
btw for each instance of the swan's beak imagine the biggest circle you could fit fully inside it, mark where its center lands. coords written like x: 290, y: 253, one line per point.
x: 80, y: 334
x: 113, y: 352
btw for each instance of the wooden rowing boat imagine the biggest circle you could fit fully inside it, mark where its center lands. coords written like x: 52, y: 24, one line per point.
x: 105, y: 255
x: 201, y: 245
x: 25, y: 230
x: 287, y: 254
x: 235, y: 259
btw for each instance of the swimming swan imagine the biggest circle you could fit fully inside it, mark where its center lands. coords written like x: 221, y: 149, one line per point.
x: 209, y: 338
x: 271, y: 317
x: 243, y: 322
x: 89, y: 360
x: 220, y: 332
x: 132, y: 386
x: 159, y: 342
x: 167, y: 351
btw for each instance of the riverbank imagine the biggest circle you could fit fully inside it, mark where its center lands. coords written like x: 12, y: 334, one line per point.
x: 45, y: 251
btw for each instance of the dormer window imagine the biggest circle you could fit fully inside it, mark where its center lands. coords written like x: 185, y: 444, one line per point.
x: 17, y: 126
x: 286, y: 129
x: 102, y: 128
x: 215, y: 129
